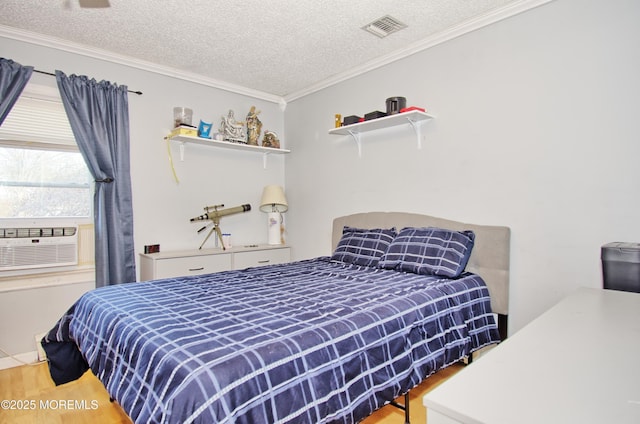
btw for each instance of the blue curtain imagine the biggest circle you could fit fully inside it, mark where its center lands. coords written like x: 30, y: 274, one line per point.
x: 99, y: 117
x: 13, y: 78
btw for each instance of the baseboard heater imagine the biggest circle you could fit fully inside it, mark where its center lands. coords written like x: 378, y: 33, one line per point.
x: 29, y: 248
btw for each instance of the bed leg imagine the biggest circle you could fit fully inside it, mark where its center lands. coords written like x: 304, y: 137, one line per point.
x: 407, y: 419
x: 503, y: 321
x: 405, y: 408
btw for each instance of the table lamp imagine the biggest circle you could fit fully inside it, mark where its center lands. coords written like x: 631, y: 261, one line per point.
x: 274, y: 203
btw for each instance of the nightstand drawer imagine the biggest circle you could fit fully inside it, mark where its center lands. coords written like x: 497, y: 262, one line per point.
x: 253, y: 258
x: 192, y: 265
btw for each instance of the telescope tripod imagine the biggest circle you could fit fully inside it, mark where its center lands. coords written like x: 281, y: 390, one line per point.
x: 216, y: 228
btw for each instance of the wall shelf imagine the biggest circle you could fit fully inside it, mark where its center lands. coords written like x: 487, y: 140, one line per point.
x: 227, y: 145
x: 414, y: 119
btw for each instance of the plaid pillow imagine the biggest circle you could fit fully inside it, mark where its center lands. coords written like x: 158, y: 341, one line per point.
x: 363, y: 246
x: 432, y: 251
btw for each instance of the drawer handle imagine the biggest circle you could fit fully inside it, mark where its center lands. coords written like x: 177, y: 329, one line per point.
x: 196, y: 269
x: 266, y: 261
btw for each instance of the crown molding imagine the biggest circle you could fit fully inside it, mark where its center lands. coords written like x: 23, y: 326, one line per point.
x: 456, y: 31
x: 76, y: 48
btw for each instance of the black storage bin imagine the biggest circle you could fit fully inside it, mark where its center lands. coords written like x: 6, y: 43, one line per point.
x: 621, y: 266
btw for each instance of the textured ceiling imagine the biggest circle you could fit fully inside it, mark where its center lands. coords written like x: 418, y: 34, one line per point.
x: 278, y: 47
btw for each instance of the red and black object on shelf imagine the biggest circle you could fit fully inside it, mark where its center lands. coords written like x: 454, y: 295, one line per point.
x: 373, y: 115
x: 351, y: 119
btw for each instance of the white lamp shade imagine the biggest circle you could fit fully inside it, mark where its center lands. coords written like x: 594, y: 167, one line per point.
x: 273, y: 199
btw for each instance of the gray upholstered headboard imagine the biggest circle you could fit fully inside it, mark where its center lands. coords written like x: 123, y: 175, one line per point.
x: 489, y: 257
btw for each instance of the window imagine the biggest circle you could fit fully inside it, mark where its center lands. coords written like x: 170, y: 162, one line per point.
x: 43, y: 183
x: 46, y: 190
x: 42, y: 173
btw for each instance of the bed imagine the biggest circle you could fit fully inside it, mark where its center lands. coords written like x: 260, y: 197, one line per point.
x: 322, y: 340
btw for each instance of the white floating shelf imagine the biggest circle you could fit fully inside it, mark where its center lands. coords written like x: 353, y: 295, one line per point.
x: 414, y: 118
x: 228, y: 145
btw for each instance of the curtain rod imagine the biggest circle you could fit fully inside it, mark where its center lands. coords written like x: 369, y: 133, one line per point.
x: 139, y: 93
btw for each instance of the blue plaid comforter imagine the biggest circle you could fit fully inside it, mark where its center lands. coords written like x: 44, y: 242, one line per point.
x: 313, y: 341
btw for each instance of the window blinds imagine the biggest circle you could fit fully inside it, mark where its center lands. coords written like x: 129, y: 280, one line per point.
x: 37, y: 121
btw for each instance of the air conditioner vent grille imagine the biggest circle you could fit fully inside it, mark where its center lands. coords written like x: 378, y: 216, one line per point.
x: 37, y: 255
x: 384, y: 26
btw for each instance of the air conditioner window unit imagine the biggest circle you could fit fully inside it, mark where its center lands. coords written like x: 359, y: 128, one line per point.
x: 30, y: 248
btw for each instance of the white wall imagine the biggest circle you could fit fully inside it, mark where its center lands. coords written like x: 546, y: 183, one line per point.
x: 536, y: 129
x: 162, y: 207
x: 30, y: 311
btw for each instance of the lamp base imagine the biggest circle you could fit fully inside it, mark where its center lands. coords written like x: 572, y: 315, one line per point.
x: 274, y: 220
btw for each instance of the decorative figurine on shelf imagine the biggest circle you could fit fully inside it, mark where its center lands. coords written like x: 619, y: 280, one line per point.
x: 232, y: 130
x: 270, y: 139
x: 254, y: 126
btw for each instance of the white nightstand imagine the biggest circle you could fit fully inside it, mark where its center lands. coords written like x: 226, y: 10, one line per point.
x: 154, y: 266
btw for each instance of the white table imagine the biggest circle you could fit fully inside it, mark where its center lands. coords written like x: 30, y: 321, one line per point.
x: 579, y: 362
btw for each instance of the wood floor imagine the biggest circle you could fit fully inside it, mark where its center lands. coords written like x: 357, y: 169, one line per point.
x: 34, y: 399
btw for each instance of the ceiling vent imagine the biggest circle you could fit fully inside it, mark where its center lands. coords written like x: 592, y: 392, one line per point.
x: 384, y: 26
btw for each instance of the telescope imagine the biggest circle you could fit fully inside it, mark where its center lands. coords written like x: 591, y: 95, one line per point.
x: 213, y: 214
